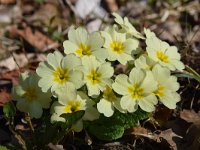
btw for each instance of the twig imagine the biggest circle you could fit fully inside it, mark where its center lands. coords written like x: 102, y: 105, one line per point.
x: 71, y: 7
x: 15, y: 60
x: 192, y: 101
x: 18, y: 137
x: 28, y: 119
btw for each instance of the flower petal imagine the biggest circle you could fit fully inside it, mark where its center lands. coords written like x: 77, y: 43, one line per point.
x: 178, y: 64
x: 117, y: 105
x: 106, y: 70
x: 105, y: 107
x: 69, y: 47
x: 66, y: 92
x: 22, y: 105
x: 170, y: 99
x: 56, y: 118
x: 147, y: 103
x: 70, y: 62
x: 78, y: 36
x: 17, y: 92
x: 91, y: 114
x: 35, y: 109
x: 128, y: 104
x: 149, y: 84
x: 172, y: 52
x: 92, y: 89
x: 90, y: 63
x: 101, y: 54
x: 130, y: 44
x: 121, y: 84
x: 136, y: 76
x: 76, y: 77
x: 160, y: 74
x: 95, y: 40
x: 54, y: 59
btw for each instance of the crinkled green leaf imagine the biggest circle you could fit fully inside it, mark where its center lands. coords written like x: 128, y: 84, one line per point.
x: 106, y: 132
x: 111, y: 128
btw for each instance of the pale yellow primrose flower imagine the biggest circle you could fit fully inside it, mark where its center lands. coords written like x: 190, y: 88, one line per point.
x: 118, y: 46
x: 59, y: 70
x: 70, y: 101
x: 137, y: 89
x: 167, y: 87
x: 126, y: 26
x: 109, y: 102
x: 81, y: 43
x: 164, y: 54
x: 144, y: 62
x: 96, y: 75
x: 30, y: 98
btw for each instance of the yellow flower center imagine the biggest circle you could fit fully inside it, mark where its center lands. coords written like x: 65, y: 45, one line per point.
x: 61, y: 75
x: 161, y: 56
x: 136, y: 91
x: 160, y: 91
x: 72, y: 106
x: 109, y: 95
x: 117, y: 46
x: 84, y: 50
x: 30, y: 94
x: 94, y: 77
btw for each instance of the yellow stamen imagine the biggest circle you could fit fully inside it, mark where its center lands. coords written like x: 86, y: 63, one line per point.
x: 109, y: 95
x: 136, y: 91
x: 61, y: 75
x: 117, y: 46
x: 30, y: 94
x: 94, y: 77
x: 160, y: 91
x: 72, y: 106
x: 84, y: 50
x: 161, y: 56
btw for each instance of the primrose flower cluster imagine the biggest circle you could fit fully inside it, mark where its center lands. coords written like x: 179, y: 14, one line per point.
x: 85, y: 77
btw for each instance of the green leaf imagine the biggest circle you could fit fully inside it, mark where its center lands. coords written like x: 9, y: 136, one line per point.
x: 57, y: 35
x: 3, y: 148
x: 107, y: 132
x: 9, y: 110
x: 112, y: 128
x: 72, y: 118
x: 190, y: 73
x: 39, y: 1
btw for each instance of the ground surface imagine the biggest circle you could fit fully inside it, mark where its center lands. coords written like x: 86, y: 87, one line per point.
x: 31, y: 29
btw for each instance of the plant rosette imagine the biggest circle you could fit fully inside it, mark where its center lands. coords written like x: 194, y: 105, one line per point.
x: 86, y: 90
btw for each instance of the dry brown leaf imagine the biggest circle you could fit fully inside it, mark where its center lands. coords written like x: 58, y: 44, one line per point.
x: 168, y: 135
x: 112, y: 5
x: 191, y: 140
x: 139, y: 130
x: 43, y: 17
x: 190, y: 116
x: 6, y: 2
x: 35, y: 38
x: 11, y: 76
x: 55, y: 147
x: 4, y: 97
